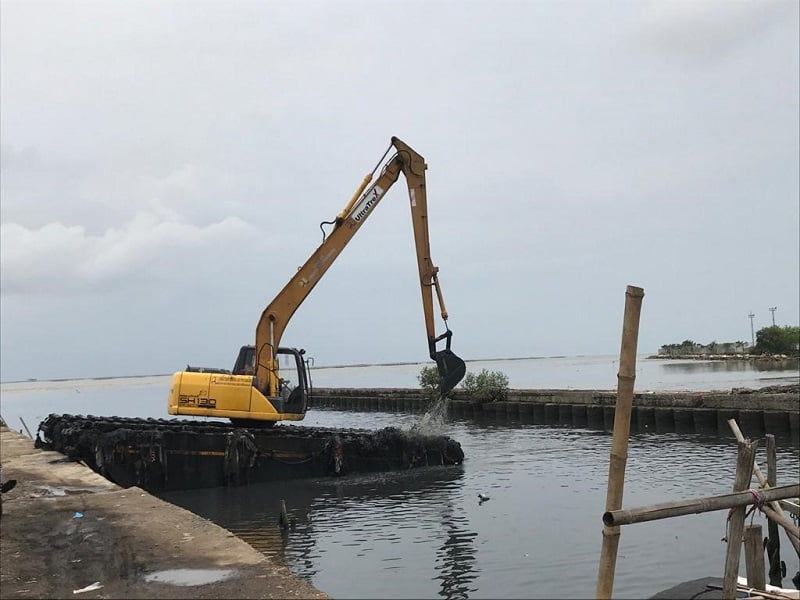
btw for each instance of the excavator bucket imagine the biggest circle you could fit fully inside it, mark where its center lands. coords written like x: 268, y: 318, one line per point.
x: 451, y: 370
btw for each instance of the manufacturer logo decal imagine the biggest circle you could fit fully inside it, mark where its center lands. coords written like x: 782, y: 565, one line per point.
x: 367, y: 202
x: 197, y: 401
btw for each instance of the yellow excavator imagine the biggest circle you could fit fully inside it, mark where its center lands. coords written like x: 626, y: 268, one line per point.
x: 254, y: 393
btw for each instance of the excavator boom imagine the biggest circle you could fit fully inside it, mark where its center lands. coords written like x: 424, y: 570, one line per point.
x: 254, y: 392
x: 277, y: 314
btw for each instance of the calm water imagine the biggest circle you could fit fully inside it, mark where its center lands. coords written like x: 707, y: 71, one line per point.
x: 425, y: 534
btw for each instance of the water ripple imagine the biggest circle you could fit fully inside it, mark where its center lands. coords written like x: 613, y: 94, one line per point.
x: 425, y: 533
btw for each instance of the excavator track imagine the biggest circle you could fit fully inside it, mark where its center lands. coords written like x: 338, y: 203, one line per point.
x: 169, y: 454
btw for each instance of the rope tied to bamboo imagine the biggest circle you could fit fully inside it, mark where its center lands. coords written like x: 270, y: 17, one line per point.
x: 758, y: 504
x: 758, y: 499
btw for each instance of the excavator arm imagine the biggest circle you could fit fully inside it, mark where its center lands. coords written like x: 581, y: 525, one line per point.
x: 276, y: 316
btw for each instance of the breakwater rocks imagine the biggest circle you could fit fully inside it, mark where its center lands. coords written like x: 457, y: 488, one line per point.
x: 757, y: 412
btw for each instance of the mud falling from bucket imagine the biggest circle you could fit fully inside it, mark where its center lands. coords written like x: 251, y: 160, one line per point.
x: 432, y: 422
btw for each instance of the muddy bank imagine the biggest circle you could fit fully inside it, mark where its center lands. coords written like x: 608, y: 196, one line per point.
x: 65, y: 527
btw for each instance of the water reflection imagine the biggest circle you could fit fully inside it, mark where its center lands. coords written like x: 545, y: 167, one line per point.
x: 710, y: 366
x: 455, y: 558
x: 373, y: 518
x: 424, y: 533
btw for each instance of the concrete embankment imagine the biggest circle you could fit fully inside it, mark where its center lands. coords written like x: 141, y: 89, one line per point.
x: 757, y: 412
x: 65, y: 527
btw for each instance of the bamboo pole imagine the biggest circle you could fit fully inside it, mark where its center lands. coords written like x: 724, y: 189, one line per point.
x: 283, y: 517
x: 619, y: 444
x: 777, y: 511
x: 788, y: 506
x: 26, y: 428
x: 744, y: 473
x: 773, y: 539
x: 748, y: 590
x: 754, y: 557
x: 694, y: 506
x: 792, y: 530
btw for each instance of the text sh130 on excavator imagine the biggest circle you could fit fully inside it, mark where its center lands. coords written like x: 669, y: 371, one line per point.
x: 253, y: 393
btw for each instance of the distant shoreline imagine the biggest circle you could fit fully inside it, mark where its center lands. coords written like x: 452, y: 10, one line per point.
x: 62, y: 379
x: 347, y: 366
x: 747, y: 357
x: 710, y: 357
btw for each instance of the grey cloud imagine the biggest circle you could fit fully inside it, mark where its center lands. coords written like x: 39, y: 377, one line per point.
x: 148, y: 250
x: 572, y: 149
x: 712, y: 28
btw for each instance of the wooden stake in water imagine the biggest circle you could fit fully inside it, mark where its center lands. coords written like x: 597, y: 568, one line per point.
x: 26, y: 428
x: 754, y: 557
x: 283, y: 518
x: 744, y: 473
x: 619, y: 445
x: 773, y: 541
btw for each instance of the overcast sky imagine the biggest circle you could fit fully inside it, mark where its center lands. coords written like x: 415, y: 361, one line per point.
x: 165, y: 167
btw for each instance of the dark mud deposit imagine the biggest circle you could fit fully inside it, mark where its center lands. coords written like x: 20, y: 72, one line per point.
x: 170, y: 454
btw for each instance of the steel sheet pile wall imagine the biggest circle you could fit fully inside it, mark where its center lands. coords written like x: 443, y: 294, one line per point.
x: 703, y: 412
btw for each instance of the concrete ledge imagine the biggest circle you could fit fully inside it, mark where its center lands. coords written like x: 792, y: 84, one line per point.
x: 759, y: 411
x: 717, y: 400
x: 46, y: 551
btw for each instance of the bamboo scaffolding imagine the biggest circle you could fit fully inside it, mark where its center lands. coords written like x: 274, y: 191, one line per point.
x: 693, y: 506
x: 744, y: 473
x: 773, y: 510
x: 619, y: 445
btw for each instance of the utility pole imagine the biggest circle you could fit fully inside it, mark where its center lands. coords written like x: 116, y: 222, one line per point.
x: 772, y: 310
x: 752, y: 335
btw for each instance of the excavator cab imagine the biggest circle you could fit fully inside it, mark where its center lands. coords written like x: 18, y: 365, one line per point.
x: 211, y: 392
x: 294, y: 392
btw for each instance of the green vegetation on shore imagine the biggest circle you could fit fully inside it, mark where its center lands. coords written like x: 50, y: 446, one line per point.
x: 775, y: 340
x: 486, y: 386
x: 778, y: 340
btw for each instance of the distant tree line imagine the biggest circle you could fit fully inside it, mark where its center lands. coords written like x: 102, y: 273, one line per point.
x: 775, y: 339
x: 687, y: 347
x: 778, y: 340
